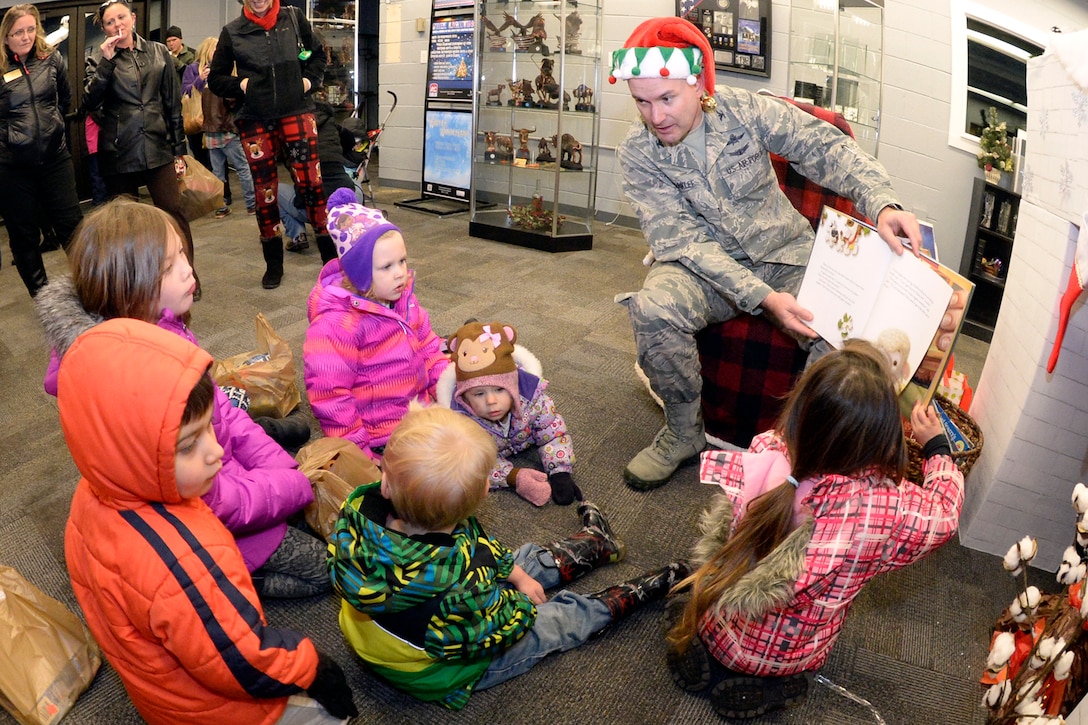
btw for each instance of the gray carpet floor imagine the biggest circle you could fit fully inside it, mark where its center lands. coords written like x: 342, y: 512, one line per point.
x: 915, y: 642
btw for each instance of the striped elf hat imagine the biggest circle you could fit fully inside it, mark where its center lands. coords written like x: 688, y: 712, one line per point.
x: 665, y: 48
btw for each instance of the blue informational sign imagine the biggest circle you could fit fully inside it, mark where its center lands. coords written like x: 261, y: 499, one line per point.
x: 449, y: 76
x: 447, y: 153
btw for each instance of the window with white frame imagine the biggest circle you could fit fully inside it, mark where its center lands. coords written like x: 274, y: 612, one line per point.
x: 989, y: 69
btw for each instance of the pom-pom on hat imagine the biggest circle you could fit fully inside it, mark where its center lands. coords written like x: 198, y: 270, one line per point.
x: 355, y: 229
x: 665, y: 48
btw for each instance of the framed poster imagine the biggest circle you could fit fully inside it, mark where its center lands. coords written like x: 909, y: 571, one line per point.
x: 449, y: 74
x: 739, y: 32
x: 447, y: 153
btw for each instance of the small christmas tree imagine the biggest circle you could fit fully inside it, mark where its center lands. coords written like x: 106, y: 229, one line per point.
x: 993, y: 146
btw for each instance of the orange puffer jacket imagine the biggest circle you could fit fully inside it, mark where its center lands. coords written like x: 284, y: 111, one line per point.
x: 161, y: 583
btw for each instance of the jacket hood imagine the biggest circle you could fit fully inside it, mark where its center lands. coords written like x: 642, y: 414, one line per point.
x: 447, y: 381
x: 122, y: 389
x: 62, y: 314
x: 329, y: 296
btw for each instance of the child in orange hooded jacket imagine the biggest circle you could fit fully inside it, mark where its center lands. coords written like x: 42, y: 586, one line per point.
x: 159, y: 578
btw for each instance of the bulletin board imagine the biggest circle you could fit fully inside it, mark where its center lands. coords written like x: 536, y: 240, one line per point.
x: 739, y: 32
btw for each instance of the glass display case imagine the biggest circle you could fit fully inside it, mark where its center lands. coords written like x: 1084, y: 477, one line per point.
x: 336, y: 22
x: 536, y: 122
x: 837, y: 60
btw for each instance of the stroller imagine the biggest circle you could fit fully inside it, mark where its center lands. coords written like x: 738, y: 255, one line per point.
x: 359, y: 145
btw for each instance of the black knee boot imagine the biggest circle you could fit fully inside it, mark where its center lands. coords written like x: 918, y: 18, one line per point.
x: 622, y: 599
x: 32, y: 271
x: 325, y: 247
x: 593, y: 546
x: 272, y: 247
x: 291, y: 432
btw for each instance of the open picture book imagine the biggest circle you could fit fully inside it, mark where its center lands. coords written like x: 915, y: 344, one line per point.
x: 911, y: 308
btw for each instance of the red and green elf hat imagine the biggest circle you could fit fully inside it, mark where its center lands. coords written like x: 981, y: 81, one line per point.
x: 665, y: 48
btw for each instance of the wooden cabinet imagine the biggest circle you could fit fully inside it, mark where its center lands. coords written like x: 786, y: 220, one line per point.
x: 987, y: 251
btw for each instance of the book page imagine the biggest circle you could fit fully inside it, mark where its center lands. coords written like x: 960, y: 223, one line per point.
x: 843, y: 276
x: 912, y: 301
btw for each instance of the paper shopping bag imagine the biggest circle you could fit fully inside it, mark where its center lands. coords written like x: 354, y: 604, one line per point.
x: 335, y: 467
x: 267, y: 374
x: 47, y: 655
x: 201, y: 191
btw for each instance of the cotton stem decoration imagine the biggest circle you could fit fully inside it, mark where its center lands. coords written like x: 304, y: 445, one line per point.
x: 1036, y: 671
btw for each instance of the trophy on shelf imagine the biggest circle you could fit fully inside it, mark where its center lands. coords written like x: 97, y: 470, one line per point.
x: 572, y: 32
x: 499, y: 148
x: 570, y: 152
x: 494, y: 95
x: 521, y: 93
x: 523, y: 142
x: 547, y: 88
x: 531, y: 35
x: 584, y: 94
x: 544, y: 151
x: 496, y: 41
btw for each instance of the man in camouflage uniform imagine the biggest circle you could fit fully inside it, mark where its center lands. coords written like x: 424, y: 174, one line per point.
x: 723, y: 237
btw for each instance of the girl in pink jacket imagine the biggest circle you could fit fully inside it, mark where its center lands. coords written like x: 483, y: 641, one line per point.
x: 128, y: 260
x: 369, y: 350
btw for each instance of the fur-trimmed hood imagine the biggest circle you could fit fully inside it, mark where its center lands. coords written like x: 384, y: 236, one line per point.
x: 771, y: 583
x: 62, y: 314
x: 447, y: 381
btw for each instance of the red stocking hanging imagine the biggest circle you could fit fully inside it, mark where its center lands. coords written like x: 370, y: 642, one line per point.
x: 1078, y: 279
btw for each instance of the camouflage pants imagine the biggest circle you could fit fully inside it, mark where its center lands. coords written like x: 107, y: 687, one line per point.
x: 675, y: 304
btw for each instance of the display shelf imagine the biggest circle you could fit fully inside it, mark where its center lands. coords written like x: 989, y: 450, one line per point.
x: 987, y: 249
x: 536, y: 124
x: 836, y: 61
x: 335, y: 22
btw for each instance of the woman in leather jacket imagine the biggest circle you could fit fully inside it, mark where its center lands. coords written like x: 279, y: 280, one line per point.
x: 278, y: 63
x: 36, y: 172
x: 133, y: 91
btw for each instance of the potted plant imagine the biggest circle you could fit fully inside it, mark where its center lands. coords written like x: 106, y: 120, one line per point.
x: 994, y: 154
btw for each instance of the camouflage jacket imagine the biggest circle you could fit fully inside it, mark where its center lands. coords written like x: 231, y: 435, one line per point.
x: 736, y: 201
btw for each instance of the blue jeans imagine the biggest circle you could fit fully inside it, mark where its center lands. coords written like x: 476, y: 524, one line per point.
x: 562, y: 623
x: 294, y: 219
x: 232, y: 153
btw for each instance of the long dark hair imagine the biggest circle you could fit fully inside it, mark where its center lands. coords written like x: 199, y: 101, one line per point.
x: 841, y: 418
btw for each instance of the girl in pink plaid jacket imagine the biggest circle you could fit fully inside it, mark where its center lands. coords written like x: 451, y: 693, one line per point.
x: 810, y: 513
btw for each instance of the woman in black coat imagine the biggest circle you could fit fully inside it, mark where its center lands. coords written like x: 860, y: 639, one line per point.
x: 134, y: 93
x: 36, y: 174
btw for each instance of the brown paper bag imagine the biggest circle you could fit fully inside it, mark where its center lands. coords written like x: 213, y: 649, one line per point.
x: 47, y: 655
x: 335, y: 467
x: 201, y: 190
x: 267, y: 374
x: 192, y: 112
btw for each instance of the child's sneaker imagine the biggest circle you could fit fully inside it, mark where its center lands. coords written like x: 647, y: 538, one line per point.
x: 222, y: 212
x: 299, y: 243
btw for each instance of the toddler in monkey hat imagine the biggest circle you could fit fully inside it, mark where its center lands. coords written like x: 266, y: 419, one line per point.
x: 499, y: 385
x: 355, y: 229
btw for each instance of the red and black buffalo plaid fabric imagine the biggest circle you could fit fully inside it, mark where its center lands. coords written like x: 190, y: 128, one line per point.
x: 748, y: 364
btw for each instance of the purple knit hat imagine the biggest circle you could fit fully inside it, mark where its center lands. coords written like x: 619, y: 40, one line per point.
x: 354, y: 229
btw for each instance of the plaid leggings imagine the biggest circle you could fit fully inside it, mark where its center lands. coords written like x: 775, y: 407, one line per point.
x: 295, y: 137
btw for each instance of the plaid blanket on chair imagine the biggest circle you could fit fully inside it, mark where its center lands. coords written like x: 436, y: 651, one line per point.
x: 748, y: 364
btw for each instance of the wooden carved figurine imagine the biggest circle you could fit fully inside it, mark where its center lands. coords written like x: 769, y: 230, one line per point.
x: 494, y: 95
x: 584, y: 94
x: 570, y: 153
x: 547, y: 88
x: 523, y: 142
x: 544, y: 151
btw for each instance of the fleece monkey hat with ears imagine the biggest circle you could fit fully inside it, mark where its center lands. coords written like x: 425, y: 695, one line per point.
x: 483, y: 354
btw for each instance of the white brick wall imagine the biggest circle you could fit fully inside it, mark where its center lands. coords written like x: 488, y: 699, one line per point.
x: 1034, y: 424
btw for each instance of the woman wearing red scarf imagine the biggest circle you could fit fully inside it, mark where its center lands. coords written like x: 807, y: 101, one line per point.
x: 278, y: 63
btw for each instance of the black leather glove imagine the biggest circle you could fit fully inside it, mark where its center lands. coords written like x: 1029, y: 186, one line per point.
x: 564, y: 489
x: 330, y: 688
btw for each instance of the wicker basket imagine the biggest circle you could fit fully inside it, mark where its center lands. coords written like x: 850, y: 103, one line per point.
x: 963, y: 459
